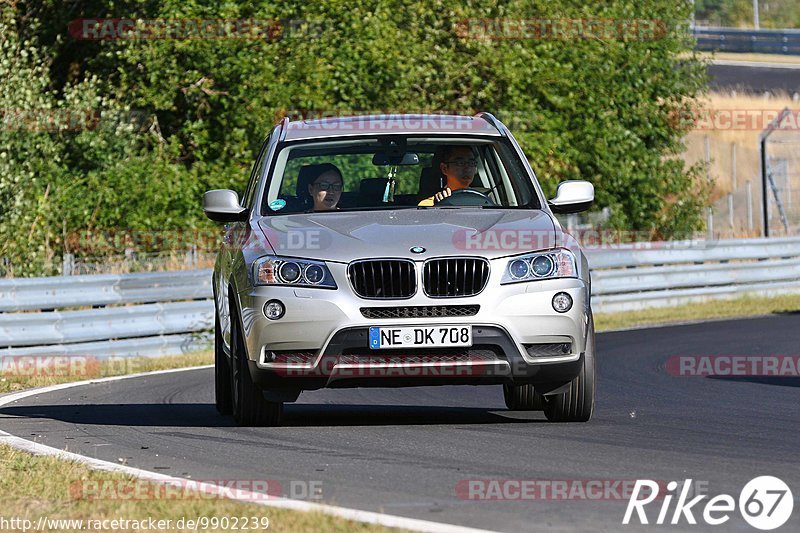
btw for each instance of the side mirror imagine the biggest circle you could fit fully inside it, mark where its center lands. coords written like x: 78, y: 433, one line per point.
x: 572, y: 196
x: 222, y: 205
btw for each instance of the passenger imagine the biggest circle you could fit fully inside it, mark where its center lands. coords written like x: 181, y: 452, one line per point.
x: 458, y: 165
x: 326, y: 188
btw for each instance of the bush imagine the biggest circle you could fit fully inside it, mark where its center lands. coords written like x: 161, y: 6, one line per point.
x: 596, y: 109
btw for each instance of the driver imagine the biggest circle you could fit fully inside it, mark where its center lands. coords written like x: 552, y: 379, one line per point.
x: 458, y: 166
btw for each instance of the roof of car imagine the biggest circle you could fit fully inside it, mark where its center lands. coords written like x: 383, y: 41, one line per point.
x: 390, y: 124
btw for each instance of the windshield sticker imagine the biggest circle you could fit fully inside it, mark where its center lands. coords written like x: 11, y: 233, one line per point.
x: 277, y: 205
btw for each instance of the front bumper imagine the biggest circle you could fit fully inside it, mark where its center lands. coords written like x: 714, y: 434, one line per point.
x: 328, y: 335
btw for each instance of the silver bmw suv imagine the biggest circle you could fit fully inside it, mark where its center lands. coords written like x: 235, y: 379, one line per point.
x: 399, y: 250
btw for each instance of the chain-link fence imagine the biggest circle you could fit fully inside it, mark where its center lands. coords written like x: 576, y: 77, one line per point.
x: 783, y: 182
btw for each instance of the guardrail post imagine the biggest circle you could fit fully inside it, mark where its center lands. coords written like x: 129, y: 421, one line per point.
x: 68, y: 265
x: 191, y: 256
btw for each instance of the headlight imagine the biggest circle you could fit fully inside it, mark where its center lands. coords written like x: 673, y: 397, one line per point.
x: 273, y: 270
x: 559, y: 263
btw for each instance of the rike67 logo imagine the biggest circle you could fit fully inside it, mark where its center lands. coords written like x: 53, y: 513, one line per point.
x: 765, y: 503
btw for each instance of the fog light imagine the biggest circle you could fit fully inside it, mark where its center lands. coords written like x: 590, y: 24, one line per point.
x: 274, y: 309
x: 562, y: 302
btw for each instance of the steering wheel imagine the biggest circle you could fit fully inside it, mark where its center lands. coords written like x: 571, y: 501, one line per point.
x: 466, y: 197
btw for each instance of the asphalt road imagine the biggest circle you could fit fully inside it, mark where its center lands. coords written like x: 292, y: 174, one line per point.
x: 404, y: 451
x: 757, y: 79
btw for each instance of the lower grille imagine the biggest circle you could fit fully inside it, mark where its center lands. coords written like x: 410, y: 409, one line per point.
x: 423, y: 311
x: 411, y: 357
x: 482, y: 353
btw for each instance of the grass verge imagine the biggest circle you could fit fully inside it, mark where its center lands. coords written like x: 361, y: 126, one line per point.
x: 752, y: 58
x: 18, y: 373
x: 735, y: 308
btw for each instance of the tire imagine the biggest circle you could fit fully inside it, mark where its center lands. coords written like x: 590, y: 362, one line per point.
x: 222, y: 373
x: 577, y: 403
x: 249, y: 406
x: 522, y: 398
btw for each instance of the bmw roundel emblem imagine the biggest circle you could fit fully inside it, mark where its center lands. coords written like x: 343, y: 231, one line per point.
x: 417, y: 250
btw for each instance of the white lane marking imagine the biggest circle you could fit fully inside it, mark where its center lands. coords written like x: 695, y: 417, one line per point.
x: 357, y: 515
x: 754, y: 64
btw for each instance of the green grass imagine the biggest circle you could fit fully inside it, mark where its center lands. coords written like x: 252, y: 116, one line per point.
x: 736, y: 308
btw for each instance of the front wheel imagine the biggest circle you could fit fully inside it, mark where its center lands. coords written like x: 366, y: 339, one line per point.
x: 522, y: 398
x: 222, y: 373
x: 249, y: 406
x: 577, y: 403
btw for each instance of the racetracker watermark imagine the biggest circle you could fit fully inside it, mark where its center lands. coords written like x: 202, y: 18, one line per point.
x: 765, y: 503
x: 561, y: 29
x: 365, y: 124
x: 741, y: 119
x: 447, y: 364
x: 733, y: 365
x: 76, y: 366
x: 182, y: 29
x: 70, y: 120
x: 548, y: 489
x: 252, y: 490
x: 49, y: 120
x: 526, y: 240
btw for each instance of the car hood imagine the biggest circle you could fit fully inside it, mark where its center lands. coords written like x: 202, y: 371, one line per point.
x: 346, y: 236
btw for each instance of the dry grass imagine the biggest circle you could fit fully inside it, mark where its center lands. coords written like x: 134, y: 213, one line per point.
x: 747, y: 150
x: 784, y: 144
x: 16, y: 375
x: 751, y: 58
x: 735, y: 308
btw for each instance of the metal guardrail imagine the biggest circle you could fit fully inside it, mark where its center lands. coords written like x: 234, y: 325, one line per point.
x: 172, y: 312
x: 26, y: 294
x: 131, y: 314
x: 747, y: 41
x: 634, y: 277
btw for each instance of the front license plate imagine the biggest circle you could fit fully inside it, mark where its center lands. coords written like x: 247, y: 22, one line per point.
x: 420, y: 337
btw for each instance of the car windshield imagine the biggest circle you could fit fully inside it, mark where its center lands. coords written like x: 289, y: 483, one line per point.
x: 393, y: 172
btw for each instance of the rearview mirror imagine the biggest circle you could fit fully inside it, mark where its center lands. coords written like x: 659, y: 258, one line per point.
x: 222, y: 205
x: 396, y: 160
x: 572, y: 196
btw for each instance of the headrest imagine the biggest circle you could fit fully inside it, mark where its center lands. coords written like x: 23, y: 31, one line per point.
x: 431, y: 179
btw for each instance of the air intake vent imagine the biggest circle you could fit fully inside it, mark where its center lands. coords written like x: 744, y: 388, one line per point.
x: 383, y: 278
x: 455, y: 277
x: 421, y: 311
